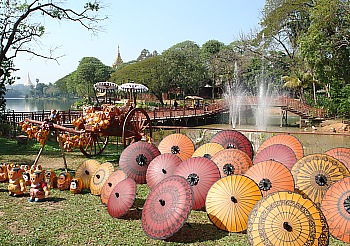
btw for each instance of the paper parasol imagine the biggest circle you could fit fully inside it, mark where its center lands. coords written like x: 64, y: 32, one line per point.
x: 271, y: 176
x: 287, y: 218
x: 277, y: 152
x: 135, y: 87
x: 177, y: 144
x: 100, y: 177
x: 232, y: 161
x: 234, y: 139
x: 342, y: 154
x: 207, y: 150
x: 336, y: 207
x: 314, y: 174
x: 86, y: 170
x: 167, y: 207
x: 122, y: 198
x: 108, y: 186
x: 161, y: 167
x: 135, y: 158
x: 105, y: 86
x: 288, y: 140
x: 201, y: 173
x: 230, y: 200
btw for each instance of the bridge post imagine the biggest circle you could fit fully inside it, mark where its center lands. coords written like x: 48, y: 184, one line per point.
x: 284, y: 117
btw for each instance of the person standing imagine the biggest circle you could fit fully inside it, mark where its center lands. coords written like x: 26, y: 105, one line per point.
x: 175, y: 104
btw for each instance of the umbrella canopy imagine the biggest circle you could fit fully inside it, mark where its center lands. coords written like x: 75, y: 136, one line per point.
x: 336, y: 207
x: 230, y: 200
x: 105, y: 86
x: 234, y: 139
x: 288, y: 140
x: 314, y: 174
x: 287, y: 218
x: 122, y: 198
x: 86, y: 170
x: 135, y: 158
x: 342, y: 154
x: 232, y: 161
x: 277, y: 152
x: 167, y: 207
x: 111, y: 181
x: 161, y: 167
x: 177, y: 144
x: 201, y: 173
x: 207, y: 150
x: 134, y: 87
x: 100, y: 177
x: 271, y: 176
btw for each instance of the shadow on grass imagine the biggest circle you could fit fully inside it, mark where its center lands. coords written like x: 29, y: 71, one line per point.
x: 54, y: 199
x: 132, y: 214
x: 139, y: 202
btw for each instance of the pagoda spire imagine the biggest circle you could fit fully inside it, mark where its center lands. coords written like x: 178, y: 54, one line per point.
x: 118, y: 61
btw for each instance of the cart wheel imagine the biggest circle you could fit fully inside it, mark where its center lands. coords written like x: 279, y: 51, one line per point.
x: 95, y: 145
x: 134, y: 126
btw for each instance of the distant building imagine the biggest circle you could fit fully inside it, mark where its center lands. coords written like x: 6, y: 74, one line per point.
x: 28, y: 82
x: 118, y: 61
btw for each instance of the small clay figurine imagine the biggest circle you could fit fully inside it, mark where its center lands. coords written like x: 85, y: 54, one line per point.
x: 3, y: 172
x: 50, y: 179
x: 39, y: 189
x: 76, y: 185
x: 63, y: 181
x: 17, y: 185
x: 26, y: 174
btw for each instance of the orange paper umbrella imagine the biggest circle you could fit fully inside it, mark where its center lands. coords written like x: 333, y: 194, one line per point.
x: 160, y: 168
x: 288, y: 140
x: 108, y: 186
x: 232, y: 161
x: 201, y: 173
x: 177, y: 144
x: 122, y: 198
x: 167, y: 207
x: 314, y: 174
x: 342, y: 154
x: 289, y: 219
x: 85, y: 171
x: 271, y: 176
x: 277, y: 152
x: 207, y: 150
x: 135, y: 158
x: 100, y: 177
x: 336, y: 207
x: 230, y: 200
x: 232, y: 139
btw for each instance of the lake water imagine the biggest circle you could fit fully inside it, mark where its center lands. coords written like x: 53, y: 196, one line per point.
x: 31, y: 105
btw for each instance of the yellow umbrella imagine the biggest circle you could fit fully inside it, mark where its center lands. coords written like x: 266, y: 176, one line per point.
x: 207, y: 150
x: 86, y: 170
x: 100, y: 177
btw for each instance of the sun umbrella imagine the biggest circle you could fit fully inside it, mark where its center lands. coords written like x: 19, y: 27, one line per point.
x: 288, y: 140
x: 161, y: 167
x: 201, y: 173
x: 314, y: 174
x: 277, y: 152
x: 287, y: 218
x: 342, y: 154
x: 105, y: 86
x: 336, y: 207
x: 234, y: 139
x: 167, y: 207
x: 135, y: 158
x: 177, y: 144
x: 122, y: 198
x: 135, y: 87
x: 111, y: 181
x: 230, y: 200
x: 271, y: 176
x: 85, y: 171
x: 207, y: 150
x: 100, y: 177
x: 232, y: 161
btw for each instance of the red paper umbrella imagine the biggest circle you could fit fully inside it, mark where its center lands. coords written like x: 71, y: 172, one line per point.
x: 288, y: 140
x: 342, y: 154
x: 100, y: 177
x: 277, y: 152
x: 108, y: 186
x: 336, y: 208
x: 201, y: 173
x: 135, y: 158
x: 208, y: 150
x: 177, y: 144
x: 122, y: 198
x: 271, y: 176
x: 167, y: 207
x: 160, y: 168
x: 232, y: 161
x: 234, y: 139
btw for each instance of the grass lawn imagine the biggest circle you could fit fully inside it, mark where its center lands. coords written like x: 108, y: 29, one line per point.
x: 81, y: 219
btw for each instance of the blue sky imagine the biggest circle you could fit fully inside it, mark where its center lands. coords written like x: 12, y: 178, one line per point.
x: 135, y: 25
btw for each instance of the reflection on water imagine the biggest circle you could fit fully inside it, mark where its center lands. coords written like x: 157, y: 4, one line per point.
x: 30, y: 105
